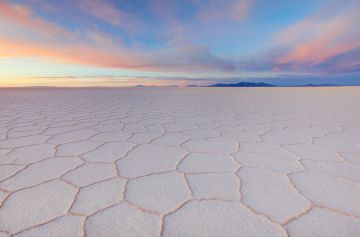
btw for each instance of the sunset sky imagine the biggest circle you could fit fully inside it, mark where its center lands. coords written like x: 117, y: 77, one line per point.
x: 178, y: 42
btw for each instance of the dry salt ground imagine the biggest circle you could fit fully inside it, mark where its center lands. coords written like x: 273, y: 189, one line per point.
x: 180, y: 162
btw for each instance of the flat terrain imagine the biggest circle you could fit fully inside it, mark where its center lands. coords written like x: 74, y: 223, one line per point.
x: 180, y: 162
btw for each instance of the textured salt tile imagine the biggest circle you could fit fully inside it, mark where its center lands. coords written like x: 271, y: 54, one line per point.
x: 224, y: 186
x: 73, y: 136
x: 283, y: 137
x: 201, y: 133
x: 113, y: 119
x: 271, y: 194
x: 170, y: 139
x: 256, y: 129
x: 230, y: 128
x: 156, y: 128
x: 24, y: 133
x: 30, y: 154
x: 109, y: 127
x: 268, y: 162
x: 299, y: 121
x: 352, y: 158
x: 200, y: 163
x: 323, y: 125
x: 76, y: 148
x: 144, y: 137
x: 59, y: 130
x: 180, y: 127
x: 346, y: 136
x: 4, y: 152
x: 109, y: 152
x: 111, y: 136
x: 337, y: 169
x: 134, y: 127
x: 312, y: 132
x: 160, y: 193
x: 122, y: 220
x: 3, y: 195
x: 353, y: 128
x: 218, y: 145
x: 64, y: 226
x: 36, y: 205
x: 147, y: 159
x: 131, y: 120
x: 208, y: 125
x: 218, y: 218
x: 62, y: 123
x: 268, y: 149
x: 2, y: 136
x: 158, y: 121
x: 192, y: 120
x: 98, y: 196
x: 40, y: 172
x: 90, y: 173
x: 328, y: 191
x: 9, y: 170
x: 23, y: 141
x: 313, y: 152
x: 338, y: 145
x: 86, y: 124
x: 322, y: 222
x: 243, y: 137
x: 3, y: 234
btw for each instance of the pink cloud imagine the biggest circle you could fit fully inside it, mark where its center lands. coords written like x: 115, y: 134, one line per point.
x: 315, y: 41
x: 180, y: 59
x: 23, y: 16
x: 102, y: 39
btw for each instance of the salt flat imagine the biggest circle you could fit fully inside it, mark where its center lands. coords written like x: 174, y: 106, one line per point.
x: 180, y: 162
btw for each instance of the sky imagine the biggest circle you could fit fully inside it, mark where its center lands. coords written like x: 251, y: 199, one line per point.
x: 110, y: 43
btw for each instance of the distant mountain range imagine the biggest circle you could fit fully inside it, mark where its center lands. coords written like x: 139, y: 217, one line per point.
x: 243, y: 84
x: 263, y: 84
x: 315, y: 85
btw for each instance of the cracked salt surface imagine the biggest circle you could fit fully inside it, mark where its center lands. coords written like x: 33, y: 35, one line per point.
x: 180, y: 162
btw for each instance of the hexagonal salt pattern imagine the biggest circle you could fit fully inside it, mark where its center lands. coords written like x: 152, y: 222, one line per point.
x: 98, y: 196
x: 159, y: 193
x: 64, y: 226
x: 122, y: 220
x: 180, y: 162
x: 329, y: 191
x: 215, y: 186
x: 197, y: 218
x: 40, y: 172
x: 149, y: 159
x: 33, y: 206
x: 272, y: 194
x: 323, y: 222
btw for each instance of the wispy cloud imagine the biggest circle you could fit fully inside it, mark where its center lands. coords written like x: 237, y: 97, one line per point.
x: 215, y: 10
x: 23, y: 17
x: 174, y: 30
x: 107, y: 12
x: 319, y: 41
